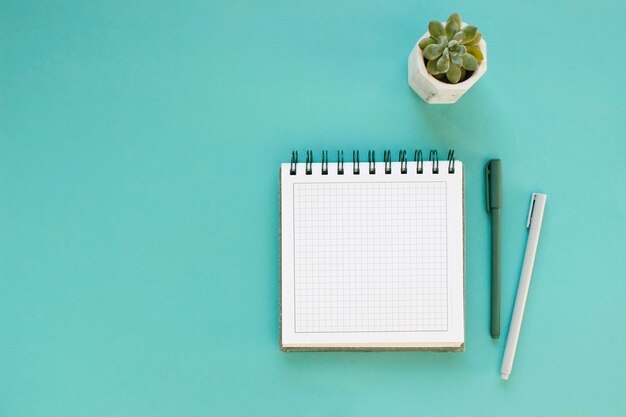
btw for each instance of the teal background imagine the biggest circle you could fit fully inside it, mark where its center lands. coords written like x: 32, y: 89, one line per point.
x: 139, y: 152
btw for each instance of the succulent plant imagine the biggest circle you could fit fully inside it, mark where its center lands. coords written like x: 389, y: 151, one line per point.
x: 451, y: 51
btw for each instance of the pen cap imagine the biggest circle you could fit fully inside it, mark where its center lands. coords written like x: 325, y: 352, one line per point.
x: 535, y: 213
x: 493, y: 184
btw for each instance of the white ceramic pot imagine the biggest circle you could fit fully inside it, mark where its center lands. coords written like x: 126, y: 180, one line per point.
x: 431, y: 89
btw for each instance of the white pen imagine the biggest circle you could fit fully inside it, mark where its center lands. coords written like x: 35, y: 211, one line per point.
x: 535, y: 217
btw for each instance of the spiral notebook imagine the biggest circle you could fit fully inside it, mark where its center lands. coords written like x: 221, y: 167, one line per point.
x: 372, y: 253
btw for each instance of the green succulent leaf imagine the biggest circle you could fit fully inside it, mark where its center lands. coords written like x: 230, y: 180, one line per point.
x: 476, y: 52
x: 443, y: 64
x: 454, y: 74
x: 476, y: 39
x: 432, y: 51
x: 458, y: 49
x: 431, y: 67
x: 459, y: 37
x: 456, y: 18
x: 425, y: 42
x: 436, y: 29
x: 469, y: 62
x: 451, y: 30
x: 469, y: 33
x: 456, y: 59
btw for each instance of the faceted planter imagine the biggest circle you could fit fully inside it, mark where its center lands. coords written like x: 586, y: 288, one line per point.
x: 431, y: 89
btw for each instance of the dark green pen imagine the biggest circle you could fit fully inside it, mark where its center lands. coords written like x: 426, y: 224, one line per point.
x: 493, y: 184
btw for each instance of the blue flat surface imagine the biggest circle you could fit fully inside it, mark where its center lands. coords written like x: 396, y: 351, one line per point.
x: 139, y: 152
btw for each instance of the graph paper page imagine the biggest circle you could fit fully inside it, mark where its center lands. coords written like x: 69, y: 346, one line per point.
x: 372, y: 259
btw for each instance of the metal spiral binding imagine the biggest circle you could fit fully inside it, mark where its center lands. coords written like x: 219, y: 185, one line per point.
x: 451, y: 161
x: 309, y: 162
x: 434, y: 158
x: 420, y: 161
x: 387, y: 159
x: 356, y: 167
x: 324, y: 162
x: 339, y: 163
x: 371, y: 159
x: 294, y: 161
x: 402, y: 159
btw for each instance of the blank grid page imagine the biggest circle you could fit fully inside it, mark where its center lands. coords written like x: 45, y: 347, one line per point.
x: 370, y: 257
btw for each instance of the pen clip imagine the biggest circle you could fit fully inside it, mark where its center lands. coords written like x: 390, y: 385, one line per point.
x: 530, y: 211
x: 488, y: 184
